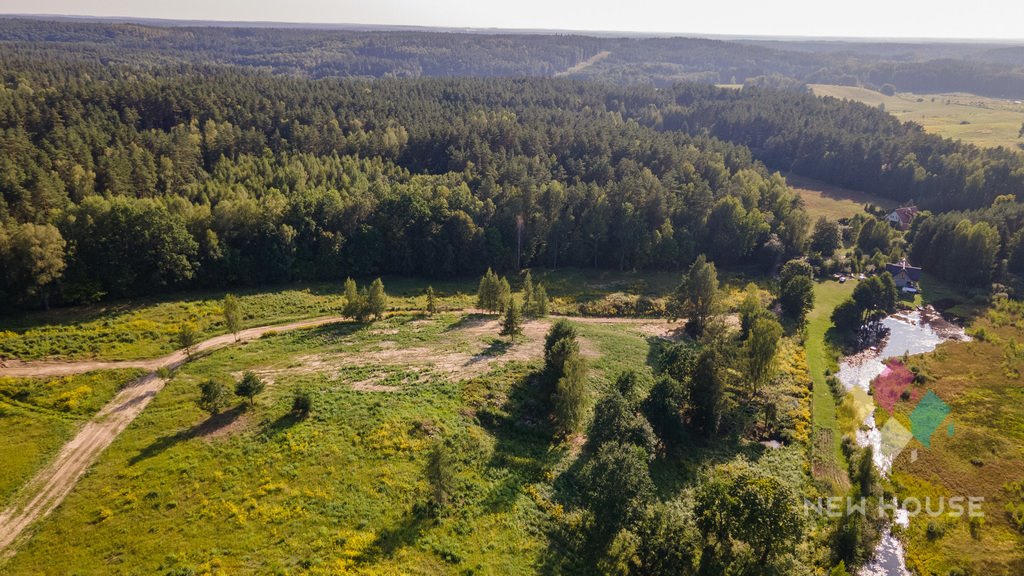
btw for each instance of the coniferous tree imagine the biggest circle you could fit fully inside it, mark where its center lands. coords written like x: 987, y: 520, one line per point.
x: 250, y: 386
x: 512, y: 322
x: 503, y: 295
x: 529, y: 303
x: 431, y: 301
x: 570, y: 397
x: 213, y: 396
x: 540, y: 296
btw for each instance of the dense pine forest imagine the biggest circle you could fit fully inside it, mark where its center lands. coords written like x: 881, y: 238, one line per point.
x: 143, y: 173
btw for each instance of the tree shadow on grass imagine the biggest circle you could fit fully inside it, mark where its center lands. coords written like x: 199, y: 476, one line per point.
x: 523, y: 434
x: 281, y: 424
x: 207, y: 427
x: 337, y: 330
x: 406, y: 532
x: 469, y: 321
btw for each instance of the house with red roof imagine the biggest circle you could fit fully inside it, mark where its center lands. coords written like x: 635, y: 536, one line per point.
x: 901, y: 218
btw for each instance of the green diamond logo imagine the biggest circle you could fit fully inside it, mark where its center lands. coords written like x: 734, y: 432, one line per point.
x: 927, y: 417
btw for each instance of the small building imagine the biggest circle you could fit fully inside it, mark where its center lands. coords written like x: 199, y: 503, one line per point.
x: 901, y: 218
x: 904, y: 275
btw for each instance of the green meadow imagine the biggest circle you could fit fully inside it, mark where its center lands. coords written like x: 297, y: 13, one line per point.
x: 989, y: 122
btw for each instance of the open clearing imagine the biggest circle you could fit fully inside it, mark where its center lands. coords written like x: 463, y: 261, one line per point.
x: 832, y: 202
x: 49, y: 488
x: 364, y: 360
x: 584, y: 64
x: 975, y: 119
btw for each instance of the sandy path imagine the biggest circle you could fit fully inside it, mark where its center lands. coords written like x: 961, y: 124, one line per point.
x: 579, y: 67
x: 51, y: 485
x: 46, y: 368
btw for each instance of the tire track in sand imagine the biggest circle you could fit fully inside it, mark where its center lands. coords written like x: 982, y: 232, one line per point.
x: 43, y: 493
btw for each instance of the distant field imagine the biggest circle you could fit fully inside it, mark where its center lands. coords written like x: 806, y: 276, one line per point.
x: 832, y: 202
x: 978, y: 120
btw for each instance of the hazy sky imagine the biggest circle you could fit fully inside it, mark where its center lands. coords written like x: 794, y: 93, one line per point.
x: 871, y: 18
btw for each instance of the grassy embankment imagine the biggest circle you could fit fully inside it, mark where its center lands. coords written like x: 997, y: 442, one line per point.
x: 979, y: 120
x: 827, y: 458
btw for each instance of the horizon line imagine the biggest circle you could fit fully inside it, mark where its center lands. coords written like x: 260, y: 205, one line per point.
x: 221, y: 23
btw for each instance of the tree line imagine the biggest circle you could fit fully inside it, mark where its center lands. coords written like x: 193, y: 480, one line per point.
x: 222, y: 178
x: 312, y: 52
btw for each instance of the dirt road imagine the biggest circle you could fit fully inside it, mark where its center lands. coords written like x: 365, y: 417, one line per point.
x: 51, y: 485
x: 46, y: 368
x: 47, y: 490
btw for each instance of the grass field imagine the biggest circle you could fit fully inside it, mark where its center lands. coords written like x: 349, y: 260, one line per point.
x: 256, y: 490
x: 146, y: 328
x: 38, y: 415
x: 981, y: 381
x: 345, y: 488
x: 832, y: 202
x: 827, y: 458
x: 978, y: 120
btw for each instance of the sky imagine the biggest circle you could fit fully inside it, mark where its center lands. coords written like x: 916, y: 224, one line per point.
x: 962, y: 19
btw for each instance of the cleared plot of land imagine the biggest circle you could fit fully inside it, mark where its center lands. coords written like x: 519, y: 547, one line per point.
x: 979, y: 120
x: 49, y: 488
x: 832, y: 202
x: 585, y: 64
x: 258, y: 490
x: 145, y: 329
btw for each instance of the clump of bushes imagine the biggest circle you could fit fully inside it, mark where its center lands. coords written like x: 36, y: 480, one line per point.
x: 624, y: 305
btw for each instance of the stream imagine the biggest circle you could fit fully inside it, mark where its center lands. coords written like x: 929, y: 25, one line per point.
x: 914, y: 332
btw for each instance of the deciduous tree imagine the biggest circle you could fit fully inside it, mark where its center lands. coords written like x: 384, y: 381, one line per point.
x: 233, y: 314
x: 188, y: 338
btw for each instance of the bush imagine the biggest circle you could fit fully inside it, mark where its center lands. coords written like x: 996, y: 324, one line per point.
x: 213, y: 396
x: 302, y: 403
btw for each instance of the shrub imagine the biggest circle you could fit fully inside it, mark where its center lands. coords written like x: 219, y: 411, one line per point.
x: 213, y: 396
x: 302, y: 403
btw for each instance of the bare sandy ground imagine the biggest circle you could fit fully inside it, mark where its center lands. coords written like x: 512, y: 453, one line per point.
x: 458, y: 357
x: 51, y: 485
